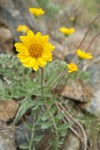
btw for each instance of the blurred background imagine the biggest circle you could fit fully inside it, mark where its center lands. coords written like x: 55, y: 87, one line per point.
x: 68, y: 13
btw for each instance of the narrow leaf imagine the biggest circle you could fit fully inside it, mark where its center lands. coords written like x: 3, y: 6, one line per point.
x: 26, y: 104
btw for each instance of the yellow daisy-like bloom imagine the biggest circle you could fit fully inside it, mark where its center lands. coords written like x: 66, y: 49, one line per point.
x: 72, y: 67
x: 37, y: 11
x: 22, y: 28
x: 72, y: 18
x: 83, y: 55
x: 34, y: 51
x: 67, y: 31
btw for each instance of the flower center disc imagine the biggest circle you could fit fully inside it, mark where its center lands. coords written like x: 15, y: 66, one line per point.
x: 35, y: 50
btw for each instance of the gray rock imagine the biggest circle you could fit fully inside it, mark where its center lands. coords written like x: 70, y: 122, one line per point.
x: 94, y: 70
x: 11, y: 15
x: 77, y: 91
x: 6, y: 39
x: 94, y: 106
x: 15, y: 15
x: 71, y: 142
x: 7, y: 138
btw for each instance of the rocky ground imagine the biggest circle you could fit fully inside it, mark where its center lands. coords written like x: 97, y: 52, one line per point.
x: 83, y: 96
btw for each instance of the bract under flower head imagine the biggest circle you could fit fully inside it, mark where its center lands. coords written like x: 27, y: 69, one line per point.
x: 72, y: 67
x: 83, y: 55
x: 67, y: 31
x: 34, y: 51
x: 22, y: 28
x: 37, y: 11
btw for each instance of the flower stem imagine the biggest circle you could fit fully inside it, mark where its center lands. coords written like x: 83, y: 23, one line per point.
x: 38, y: 25
x: 31, y: 140
x: 92, y: 41
x: 42, y: 81
x: 86, y: 34
x: 55, y: 127
x: 88, y: 30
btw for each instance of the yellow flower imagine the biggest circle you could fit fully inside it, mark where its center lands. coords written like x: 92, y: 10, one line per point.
x: 72, y: 18
x: 22, y: 28
x: 36, y: 11
x: 83, y: 55
x: 34, y: 51
x: 72, y: 67
x: 67, y: 31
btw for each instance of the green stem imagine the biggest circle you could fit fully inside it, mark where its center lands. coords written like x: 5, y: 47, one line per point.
x: 42, y: 81
x: 31, y: 140
x: 55, y: 127
x: 37, y: 22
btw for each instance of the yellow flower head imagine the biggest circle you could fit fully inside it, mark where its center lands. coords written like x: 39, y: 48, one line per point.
x: 72, y: 18
x: 34, y: 50
x: 83, y: 55
x: 67, y: 31
x: 36, y: 11
x: 72, y: 67
x: 22, y: 28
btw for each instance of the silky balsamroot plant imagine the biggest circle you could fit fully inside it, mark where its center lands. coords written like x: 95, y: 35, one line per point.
x: 35, y: 51
x: 48, y: 113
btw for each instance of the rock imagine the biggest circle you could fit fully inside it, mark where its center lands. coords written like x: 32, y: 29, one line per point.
x: 5, y: 33
x: 8, y: 110
x: 6, y: 38
x: 43, y: 144
x: 94, y: 70
x: 21, y: 135
x: 7, y: 137
x: 11, y: 15
x: 94, y: 106
x: 72, y: 142
x: 77, y: 91
x: 88, y: 94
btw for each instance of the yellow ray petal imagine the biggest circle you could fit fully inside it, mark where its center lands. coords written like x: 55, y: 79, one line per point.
x: 48, y: 47
x: 38, y: 34
x: 36, y: 66
x: 26, y: 40
x: 46, y: 55
x: 42, y: 62
x: 32, y: 62
x: 20, y: 47
x: 21, y: 55
x: 49, y: 59
x: 30, y: 34
x: 44, y: 39
x: 38, y: 37
x: 26, y: 64
x: 25, y: 59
